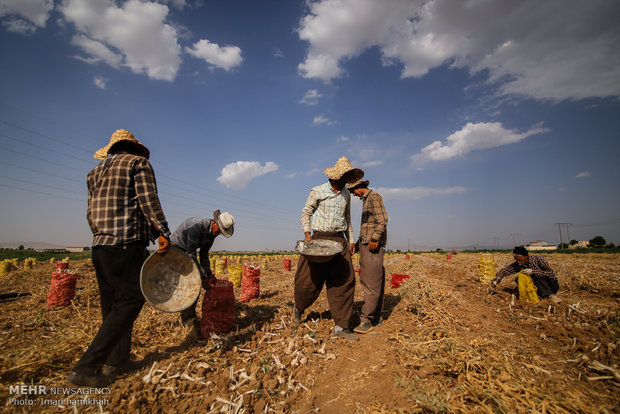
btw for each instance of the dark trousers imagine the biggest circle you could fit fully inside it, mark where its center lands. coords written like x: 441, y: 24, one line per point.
x: 118, y: 275
x: 372, y: 280
x: 544, y: 286
x: 337, y: 275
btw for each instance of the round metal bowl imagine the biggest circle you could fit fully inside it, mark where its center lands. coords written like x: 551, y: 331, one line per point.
x: 320, y: 250
x: 170, y: 283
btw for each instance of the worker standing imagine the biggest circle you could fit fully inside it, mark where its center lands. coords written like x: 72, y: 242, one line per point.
x: 124, y: 214
x: 329, y: 206
x: 372, y: 240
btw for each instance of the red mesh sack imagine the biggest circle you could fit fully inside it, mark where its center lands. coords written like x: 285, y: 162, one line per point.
x: 287, y: 263
x: 250, y: 284
x: 396, y: 280
x: 218, y: 309
x: 62, y: 289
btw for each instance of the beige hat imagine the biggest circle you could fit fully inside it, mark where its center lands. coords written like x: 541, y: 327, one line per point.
x: 225, y: 221
x: 344, y: 170
x: 121, y: 135
x: 358, y: 183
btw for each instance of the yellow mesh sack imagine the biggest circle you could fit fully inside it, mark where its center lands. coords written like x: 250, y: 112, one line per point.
x: 5, y: 267
x: 527, y: 289
x: 220, y: 267
x: 235, y: 272
x: 486, y: 269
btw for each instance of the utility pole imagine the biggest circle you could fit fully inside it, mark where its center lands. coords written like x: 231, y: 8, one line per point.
x: 496, y: 239
x: 560, y: 229
x: 514, y: 239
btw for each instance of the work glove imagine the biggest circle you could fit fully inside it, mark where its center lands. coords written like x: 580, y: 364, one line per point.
x: 373, y: 245
x: 164, y: 245
x: 527, y: 272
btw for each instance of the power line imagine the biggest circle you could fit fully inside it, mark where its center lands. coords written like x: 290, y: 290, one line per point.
x: 70, y: 144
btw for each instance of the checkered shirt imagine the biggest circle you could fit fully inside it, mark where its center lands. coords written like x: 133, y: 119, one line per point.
x: 123, y: 205
x: 540, y: 269
x: 374, y: 219
x: 330, y: 211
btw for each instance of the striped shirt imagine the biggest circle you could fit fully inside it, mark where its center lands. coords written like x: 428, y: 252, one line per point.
x: 330, y: 211
x: 193, y: 234
x: 123, y: 205
x: 540, y: 269
x: 374, y: 219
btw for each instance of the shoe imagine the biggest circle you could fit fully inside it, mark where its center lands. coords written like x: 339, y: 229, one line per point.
x: 296, y: 319
x: 363, y: 327
x: 555, y: 299
x: 344, y: 333
x: 88, y: 380
x: 129, y: 366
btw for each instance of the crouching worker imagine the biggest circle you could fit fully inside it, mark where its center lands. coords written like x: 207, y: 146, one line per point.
x: 537, y: 268
x: 195, y: 234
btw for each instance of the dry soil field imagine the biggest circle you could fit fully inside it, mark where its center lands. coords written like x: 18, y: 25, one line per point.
x: 446, y: 345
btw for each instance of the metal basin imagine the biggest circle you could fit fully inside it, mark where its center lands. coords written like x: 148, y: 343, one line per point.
x: 170, y: 283
x: 320, y: 250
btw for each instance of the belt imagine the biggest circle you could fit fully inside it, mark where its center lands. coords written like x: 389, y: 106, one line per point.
x: 329, y: 233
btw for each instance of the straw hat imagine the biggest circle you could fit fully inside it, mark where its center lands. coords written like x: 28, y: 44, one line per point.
x: 344, y: 170
x: 225, y: 221
x: 118, y: 136
x: 358, y: 183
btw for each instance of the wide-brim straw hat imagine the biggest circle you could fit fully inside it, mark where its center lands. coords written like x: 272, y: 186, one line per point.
x: 225, y: 221
x: 118, y: 136
x: 358, y: 183
x: 343, y: 170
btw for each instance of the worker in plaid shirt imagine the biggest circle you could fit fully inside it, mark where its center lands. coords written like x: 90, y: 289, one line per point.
x: 371, y: 242
x: 124, y: 215
x: 537, y: 268
x: 329, y: 206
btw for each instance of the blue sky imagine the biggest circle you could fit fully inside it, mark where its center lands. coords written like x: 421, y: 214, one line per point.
x: 480, y: 122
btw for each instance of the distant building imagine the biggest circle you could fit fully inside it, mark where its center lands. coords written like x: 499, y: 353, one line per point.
x: 539, y: 245
x: 78, y: 249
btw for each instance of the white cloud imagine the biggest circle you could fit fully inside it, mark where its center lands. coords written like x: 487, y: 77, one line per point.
x: 416, y: 193
x: 237, y: 175
x: 473, y: 137
x: 544, y: 50
x: 97, y: 51
x: 100, y: 82
x: 178, y: 4
x: 135, y: 35
x: 278, y: 53
x: 343, y: 138
x: 367, y: 164
x: 226, y: 57
x: 291, y: 175
x: 311, y: 97
x: 583, y: 174
x: 322, y: 119
x: 25, y: 16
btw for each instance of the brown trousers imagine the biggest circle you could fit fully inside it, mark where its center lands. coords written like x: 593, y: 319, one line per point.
x: 372, y: 279
x: 337, y: 274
